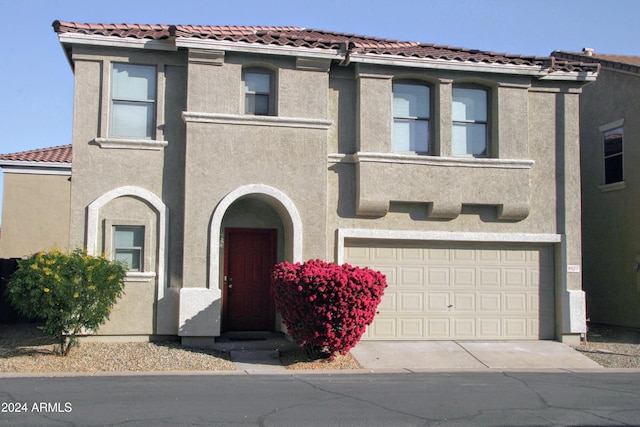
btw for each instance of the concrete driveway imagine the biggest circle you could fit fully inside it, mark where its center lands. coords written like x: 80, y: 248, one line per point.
x: 452, y: 355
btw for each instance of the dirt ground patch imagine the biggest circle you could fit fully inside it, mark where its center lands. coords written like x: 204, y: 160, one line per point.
x: 297, y: 359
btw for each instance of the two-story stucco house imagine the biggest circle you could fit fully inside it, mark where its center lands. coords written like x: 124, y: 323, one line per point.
x: 202, y: 155
x: 609, y: 128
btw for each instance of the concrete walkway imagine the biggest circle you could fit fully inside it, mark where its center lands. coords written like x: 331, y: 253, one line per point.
x: 384, y: 356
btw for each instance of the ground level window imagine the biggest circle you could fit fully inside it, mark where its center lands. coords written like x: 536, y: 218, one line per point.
x: 128, y: 243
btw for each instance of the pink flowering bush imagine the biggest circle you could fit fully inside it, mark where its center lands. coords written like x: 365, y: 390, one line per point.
x: 326, y: 307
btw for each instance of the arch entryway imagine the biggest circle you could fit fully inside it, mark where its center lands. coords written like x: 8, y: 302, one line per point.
x: 252, y: 228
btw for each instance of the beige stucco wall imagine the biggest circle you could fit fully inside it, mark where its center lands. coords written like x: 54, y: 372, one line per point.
x: 156, y: 172
x: 527, y: 133
x: 611, y: 231
x: 35, y: 214
x: 222, y: 157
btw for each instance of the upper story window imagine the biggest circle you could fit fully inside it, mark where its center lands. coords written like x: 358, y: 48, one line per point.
x: 128, y: 245
x: 411, y: 112
x: 613, y: 159
x: 133, y: 101
x: 470, y: 122
x: 258, y: 92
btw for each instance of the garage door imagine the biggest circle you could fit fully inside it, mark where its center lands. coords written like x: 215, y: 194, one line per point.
x: 463, y: 291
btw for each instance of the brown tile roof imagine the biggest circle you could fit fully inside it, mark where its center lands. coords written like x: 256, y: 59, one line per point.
x: 609, y: 61
x: 318, y: 39
x: 59, y: 154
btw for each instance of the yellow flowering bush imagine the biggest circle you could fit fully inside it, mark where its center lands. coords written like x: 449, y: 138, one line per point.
x: 72, y: 292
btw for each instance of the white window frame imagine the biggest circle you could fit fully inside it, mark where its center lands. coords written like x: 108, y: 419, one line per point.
x: 149, y: 102
x: 105, y: 139
x: 139, y: 249
x: 620, y: 153
x: 148, y: 267
x: 270, y: 94
x: 616, y: 185
x: 400, y: 118
x: 486, y: 122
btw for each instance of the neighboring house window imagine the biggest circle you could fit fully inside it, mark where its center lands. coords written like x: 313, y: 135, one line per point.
x: 470, y: 122
x: 411, y: 108
x: 613, y: 156
x: 128, y: 243
x: 258, y: 92
x: 133, y: 101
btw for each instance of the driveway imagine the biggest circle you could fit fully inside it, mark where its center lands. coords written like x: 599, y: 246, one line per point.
x: 429, y: 356
x: 471, y: 355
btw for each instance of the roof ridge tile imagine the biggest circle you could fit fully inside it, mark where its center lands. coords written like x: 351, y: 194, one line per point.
x: 314, y: 39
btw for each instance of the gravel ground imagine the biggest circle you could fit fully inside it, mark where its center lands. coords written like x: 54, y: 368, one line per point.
x: 612, y: 347
x: 24, y: 349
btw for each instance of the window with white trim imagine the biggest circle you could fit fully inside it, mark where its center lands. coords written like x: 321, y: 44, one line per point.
x: 128, y: 246
x: 133, y: 101
x: 411, y: 112
x: 258, y: 92
x: 613, y: 155
x: 470, y: 134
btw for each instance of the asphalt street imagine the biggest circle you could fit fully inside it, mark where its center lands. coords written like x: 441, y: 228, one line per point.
x: 397, y: 399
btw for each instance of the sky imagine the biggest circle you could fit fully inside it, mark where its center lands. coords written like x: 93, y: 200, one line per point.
x: 36, y: 92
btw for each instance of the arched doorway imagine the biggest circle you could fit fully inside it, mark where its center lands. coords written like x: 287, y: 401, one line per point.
x: 257, y: 226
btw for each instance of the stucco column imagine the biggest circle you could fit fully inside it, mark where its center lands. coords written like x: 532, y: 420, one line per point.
x: 374, y: 133
x: 442, y: 134
x: 571, y: 298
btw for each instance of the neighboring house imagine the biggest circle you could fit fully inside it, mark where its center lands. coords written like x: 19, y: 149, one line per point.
x: 35, y: 201
x: 205, y: 154
x: 609, y: 132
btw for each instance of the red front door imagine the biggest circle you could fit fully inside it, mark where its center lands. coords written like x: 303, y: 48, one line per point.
x: 249, y: 256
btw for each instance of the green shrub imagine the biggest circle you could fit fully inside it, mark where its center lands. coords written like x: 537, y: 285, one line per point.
x: 73, y: 293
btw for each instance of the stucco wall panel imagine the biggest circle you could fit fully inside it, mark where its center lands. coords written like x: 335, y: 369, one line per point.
x: 512, y: 106
x: 214, y: 88
x: 303, y: 93
x: 134, y: 313
x: 25, y: 230
x: 445, y: 187
x: 540, y: 124
x: 374, y: 108
x: 611, y: 231
x: 222, y: 158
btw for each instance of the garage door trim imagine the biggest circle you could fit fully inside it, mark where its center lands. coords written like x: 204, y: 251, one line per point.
x: 359, y: 233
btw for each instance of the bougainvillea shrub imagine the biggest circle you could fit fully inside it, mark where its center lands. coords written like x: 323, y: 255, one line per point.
x: 71, y: 292
x: 326, y: 307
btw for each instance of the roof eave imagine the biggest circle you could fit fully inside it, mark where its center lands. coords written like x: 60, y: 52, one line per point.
x: 243, y: 47
x: 539, y: 72
x: 112, y: 41
x: 579, y: 76
x: 32, y: 167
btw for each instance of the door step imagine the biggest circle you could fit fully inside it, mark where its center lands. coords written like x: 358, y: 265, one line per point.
x: 234, y: 341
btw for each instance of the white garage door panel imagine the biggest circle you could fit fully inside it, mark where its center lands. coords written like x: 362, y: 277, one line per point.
x: 460, y: 290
